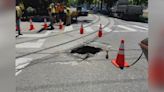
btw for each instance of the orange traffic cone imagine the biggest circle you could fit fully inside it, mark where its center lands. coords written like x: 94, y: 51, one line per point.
x: 61, y: 25
x: 156, y: 74
x: 81, y: 29
x: 100, y: 31
x: 120, y: 60
x: 31, y: 25
x: 45, y: 23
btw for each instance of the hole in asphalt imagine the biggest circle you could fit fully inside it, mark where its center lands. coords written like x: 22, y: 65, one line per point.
x: 86, y: 50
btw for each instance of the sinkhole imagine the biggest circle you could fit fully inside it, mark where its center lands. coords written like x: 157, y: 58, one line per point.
x: 86, y: 50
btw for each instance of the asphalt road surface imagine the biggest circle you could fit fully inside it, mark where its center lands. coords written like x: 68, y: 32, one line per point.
x: 44, y: 62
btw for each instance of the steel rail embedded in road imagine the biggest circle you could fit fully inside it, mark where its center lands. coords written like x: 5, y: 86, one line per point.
x: 50, y: 47
x: 62, y: 33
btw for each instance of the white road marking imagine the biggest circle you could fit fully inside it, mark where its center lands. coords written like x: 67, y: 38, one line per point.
x: 107, y: 29
x: 88, y: 29
x: 121, y: 31
x: 21, y: 61
x: 18, y: 72
x: 68, y: 28
x: 37, y: 44
x: 127, y: 28
x: 129, y: 31
x: 22, y: 66
x: 144, y: 28
x: 36, y: 35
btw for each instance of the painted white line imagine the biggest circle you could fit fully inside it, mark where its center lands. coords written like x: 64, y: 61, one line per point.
x: 122, y: 31
x: 36, y: 35
x: 16, y: 74
x: 88, y: 29
x: 37, y: 44
x: 107, y: 29
x: 140, y: 27
x: 22, y: 66
x: 127, y: 28
x: 68, y: 28
x: 21, y: 61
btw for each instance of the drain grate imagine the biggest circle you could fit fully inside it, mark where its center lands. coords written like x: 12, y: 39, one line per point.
x: 86, y: 50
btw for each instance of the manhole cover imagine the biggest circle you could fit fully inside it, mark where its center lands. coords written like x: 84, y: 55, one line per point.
x: 86, y: 50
